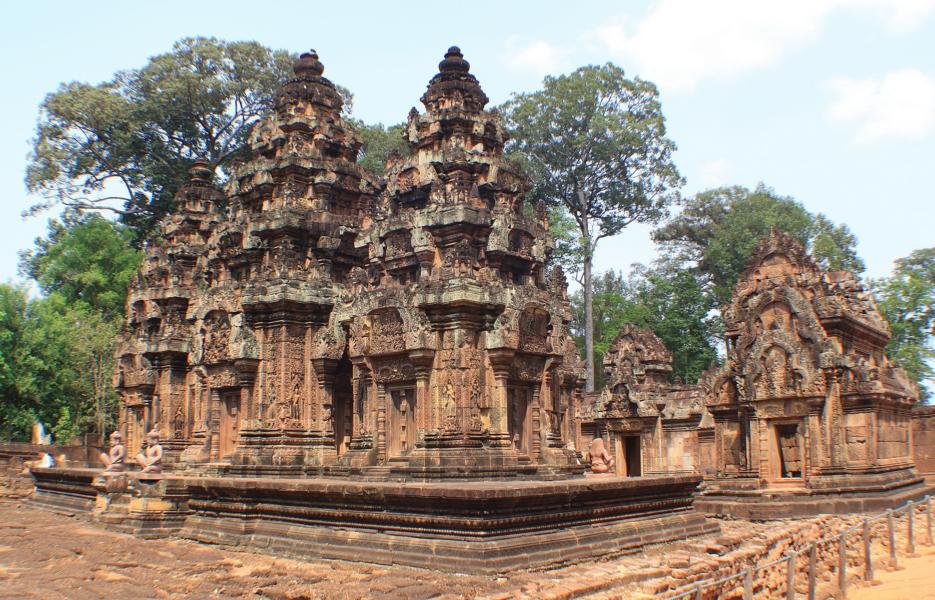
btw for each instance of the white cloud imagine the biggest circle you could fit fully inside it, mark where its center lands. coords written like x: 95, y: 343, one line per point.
x: 539, y: 57
x: 680, y: 43
x: 714, y: 173
x: 900, y: 105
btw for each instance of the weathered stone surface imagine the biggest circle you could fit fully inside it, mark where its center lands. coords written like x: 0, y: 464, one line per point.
x: 652, y: 425
x: 810, y: 416
x: 333, y: 323
x: 923, y: 440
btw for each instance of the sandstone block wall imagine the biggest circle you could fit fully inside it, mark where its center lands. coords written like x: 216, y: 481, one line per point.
x: 923, y: 439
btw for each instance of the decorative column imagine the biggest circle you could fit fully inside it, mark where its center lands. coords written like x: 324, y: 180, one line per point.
x: 535, y: 448
x: 500, y: 362
x: 381, y: 422
x: 214, y: 426
x: 325, y: 369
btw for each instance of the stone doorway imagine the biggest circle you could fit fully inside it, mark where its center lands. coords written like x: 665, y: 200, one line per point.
x: 629, y: 457
x: 342, y: 409
x: 788, y: 451
x: 519, y: 401
x: 401, y: 432
x: 230, y: 423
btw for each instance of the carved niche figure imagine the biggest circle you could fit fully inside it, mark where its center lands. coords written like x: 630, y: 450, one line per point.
x: 217, y: 337
x: 113, y: 462
x: 178, y: 422
x: 601, y: 460
x: 534, y: 331
x: 151, y: 460
x: 463, y: 257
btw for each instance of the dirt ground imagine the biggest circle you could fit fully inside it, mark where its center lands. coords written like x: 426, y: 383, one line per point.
x: 44, y: 555
x: 47, y: 555
x: 915, y: 580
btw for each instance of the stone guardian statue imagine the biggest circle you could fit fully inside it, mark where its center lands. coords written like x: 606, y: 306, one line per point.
x: 151, y: 460
x: 113, y: 462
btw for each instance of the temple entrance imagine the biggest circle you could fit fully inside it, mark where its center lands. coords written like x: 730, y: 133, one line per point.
x: 629, y: 458
x: 230, y: 423
x: 788, y: 451
x: 519, y: 400
x: 342, y: 412
x: 400, y: 435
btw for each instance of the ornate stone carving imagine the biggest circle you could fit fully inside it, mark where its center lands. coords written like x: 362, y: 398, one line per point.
x: 113, y: 461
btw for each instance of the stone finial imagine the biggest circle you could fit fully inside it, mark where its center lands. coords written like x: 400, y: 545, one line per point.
x: 454, y: 62
x: 308, y: 65
x: 453, y: 86
x: 200, y: 171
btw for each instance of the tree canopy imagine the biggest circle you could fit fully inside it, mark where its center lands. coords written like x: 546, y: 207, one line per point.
x: 86, y: 259
x: 671, y: 304
x: 717, y: 231
x: 907, y: 300
x: 57, y: 351
x: 378, y: 143
x: 595, y: 145
x: 125, y: 145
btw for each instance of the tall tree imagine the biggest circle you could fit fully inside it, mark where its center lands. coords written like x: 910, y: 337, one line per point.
x: 907, y: 300
x: 125, y: 145
x: 717, y: 231
x: 16, y: 415
x: 595, y: 144
x: 41, y: 374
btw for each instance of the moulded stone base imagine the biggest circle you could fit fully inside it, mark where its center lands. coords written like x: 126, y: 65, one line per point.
x: 463, y: 526
x: 67, y: 491
x: 828, y: 494
x: 477, y: 527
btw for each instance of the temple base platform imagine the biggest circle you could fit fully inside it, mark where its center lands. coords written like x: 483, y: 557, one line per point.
x: 743, y: 498
x: 461, y: 526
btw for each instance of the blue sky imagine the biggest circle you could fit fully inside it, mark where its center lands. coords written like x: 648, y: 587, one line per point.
x: 829, y: 101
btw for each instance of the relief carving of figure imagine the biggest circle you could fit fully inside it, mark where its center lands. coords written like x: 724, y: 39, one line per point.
x: 178, y: 422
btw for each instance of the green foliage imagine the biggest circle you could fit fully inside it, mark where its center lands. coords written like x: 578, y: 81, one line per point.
x: 15, y: 414
x: 126, y: 145
x: 595, y: 145
x: 57, y: 352
x: 907, y: 300
x: 39, y: 378
x: 379, y: 143
x: 594, y: 141
x: 87, y: 260
x: 679, y: 312
x: 672, y: 304
x: 718, y: 229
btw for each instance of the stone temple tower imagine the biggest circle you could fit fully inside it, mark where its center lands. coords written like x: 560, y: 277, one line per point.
x: 331, y: 323
x: 456, y: 335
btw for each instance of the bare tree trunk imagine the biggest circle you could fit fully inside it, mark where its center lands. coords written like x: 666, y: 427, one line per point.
x: 588, y: 317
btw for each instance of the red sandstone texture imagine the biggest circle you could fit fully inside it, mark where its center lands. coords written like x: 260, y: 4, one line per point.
x: 43, y: 554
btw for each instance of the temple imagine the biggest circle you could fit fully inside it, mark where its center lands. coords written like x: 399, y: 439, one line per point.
x: 809, y: 414
x: 653, y: 425
x: 322, y: 325
x: 320, y: 362
x: 805, y: 416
